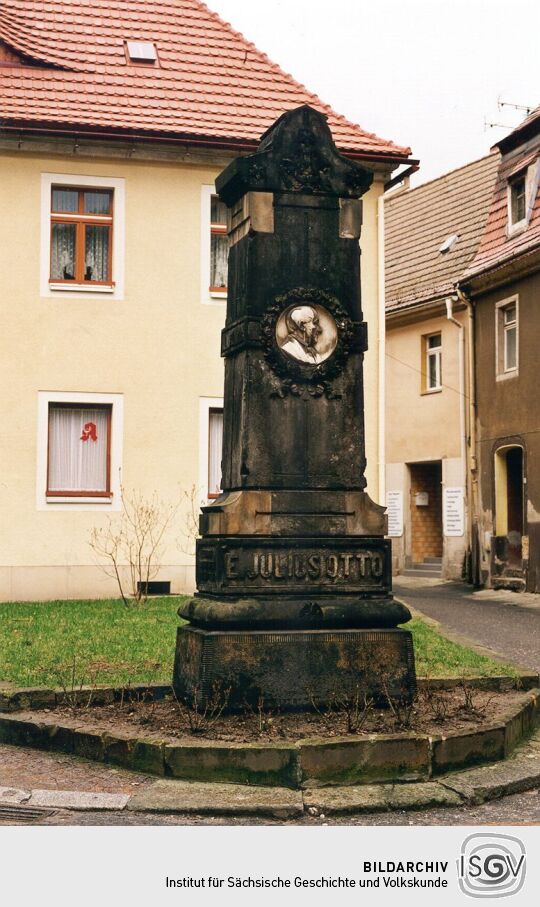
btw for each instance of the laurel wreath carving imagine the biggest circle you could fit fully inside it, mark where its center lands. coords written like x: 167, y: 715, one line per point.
x: 298, y: 378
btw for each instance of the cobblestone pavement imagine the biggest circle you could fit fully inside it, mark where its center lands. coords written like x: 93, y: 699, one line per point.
x: 519, y: 809
x: 26, y: 768
x: 507, y: 622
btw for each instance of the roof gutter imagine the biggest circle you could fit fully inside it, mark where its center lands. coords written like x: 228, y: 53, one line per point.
x: 205, y: 142
x: 400, y: 177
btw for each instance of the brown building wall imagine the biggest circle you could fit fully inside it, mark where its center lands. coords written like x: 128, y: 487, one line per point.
x: 508, y: 412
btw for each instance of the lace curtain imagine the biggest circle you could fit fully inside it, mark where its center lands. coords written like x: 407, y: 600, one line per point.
x: 214, y: 451
x: 76, y: 464
x: 219, y: 258
x: 63, y: 252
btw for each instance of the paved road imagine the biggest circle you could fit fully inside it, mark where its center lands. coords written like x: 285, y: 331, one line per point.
x: 497, y: 620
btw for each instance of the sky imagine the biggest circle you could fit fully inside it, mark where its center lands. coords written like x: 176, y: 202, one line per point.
x: 425, y: 73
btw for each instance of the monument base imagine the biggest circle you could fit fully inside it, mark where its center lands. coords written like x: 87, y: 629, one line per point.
x: 292, y: 668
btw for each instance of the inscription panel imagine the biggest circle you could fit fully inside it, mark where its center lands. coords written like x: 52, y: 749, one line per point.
x: 249, y: 566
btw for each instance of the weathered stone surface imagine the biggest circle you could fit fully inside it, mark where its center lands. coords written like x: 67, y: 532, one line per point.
x: 13, y: 795
x: 291, y: 667
x: 24, y: 730
x: 364, y: 760
x: 80, y: 800
x: 89, y: 742
x: 379, y: 798
x: 218, y: 799
x: 520, y: 721
x: 282, y: 612
x: 264, y: 764
x: 521, y: 771
x: 148, y: 756
x: 118, y: 747
x: 484, y: 744
x: 26, y: 698
x: 293, y: 528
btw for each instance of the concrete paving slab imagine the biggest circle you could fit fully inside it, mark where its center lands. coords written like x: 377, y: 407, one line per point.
x: 371, y: 798
x: 10, y: 795
x: 218, y: 799
x: 72, y: 799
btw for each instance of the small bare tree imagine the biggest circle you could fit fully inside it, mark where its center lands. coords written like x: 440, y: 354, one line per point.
x: 133, y: 540
x: 191, y: 503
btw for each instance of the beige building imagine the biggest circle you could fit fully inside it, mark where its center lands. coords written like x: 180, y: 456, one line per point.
x: 113, y: 271
x: 431, y: 235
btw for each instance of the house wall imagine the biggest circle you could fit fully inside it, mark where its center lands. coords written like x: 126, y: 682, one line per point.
x: 158, y: 348
x: 423, y: 428
x: 509, y: 413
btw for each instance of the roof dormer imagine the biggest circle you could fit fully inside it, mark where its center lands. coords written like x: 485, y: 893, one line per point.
x: 522, y: 189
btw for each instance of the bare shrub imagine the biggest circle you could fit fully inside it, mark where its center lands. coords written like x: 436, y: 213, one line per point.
x: 133, y: 539
x: 74, y: 686
x: 262, y: 714
x: 436, y: 703
x: 200, y: 716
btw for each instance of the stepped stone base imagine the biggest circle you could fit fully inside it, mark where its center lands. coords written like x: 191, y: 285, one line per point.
x: 291, y: 668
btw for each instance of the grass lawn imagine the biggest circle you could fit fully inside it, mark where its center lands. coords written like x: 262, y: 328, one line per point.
x: 91, y: 642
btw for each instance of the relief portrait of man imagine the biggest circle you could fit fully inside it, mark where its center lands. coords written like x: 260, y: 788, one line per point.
x: 307, y: 333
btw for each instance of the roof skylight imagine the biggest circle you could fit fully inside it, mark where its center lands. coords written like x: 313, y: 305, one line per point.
x: 142, y: 51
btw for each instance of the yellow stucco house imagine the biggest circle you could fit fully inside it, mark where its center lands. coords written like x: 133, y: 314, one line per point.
x: 115, y: 119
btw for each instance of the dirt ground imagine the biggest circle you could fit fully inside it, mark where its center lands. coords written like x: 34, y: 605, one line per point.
x: 432, y: 712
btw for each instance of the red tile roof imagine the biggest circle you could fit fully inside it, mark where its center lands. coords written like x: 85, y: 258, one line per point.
x: 496, y: 247
x: 210, y: 83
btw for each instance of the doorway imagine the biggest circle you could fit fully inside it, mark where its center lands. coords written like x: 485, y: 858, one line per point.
x: 426, y: 511
x: 509, y: 501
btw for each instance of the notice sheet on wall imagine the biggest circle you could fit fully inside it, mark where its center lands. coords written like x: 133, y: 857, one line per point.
x: 453, y: 512
x: 394, y: 506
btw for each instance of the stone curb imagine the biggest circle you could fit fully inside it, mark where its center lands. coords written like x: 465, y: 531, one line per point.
x: 368, y: 759
x: 519, y: 772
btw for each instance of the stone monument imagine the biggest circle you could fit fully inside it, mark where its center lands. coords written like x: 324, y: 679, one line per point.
x: 293, y: 570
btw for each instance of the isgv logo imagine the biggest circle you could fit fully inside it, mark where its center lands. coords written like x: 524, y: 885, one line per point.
x: 491, y: 866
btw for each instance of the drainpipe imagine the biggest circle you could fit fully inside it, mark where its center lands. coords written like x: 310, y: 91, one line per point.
x: 473, y: 455
x: 381, y: 350
x: 462, y: 411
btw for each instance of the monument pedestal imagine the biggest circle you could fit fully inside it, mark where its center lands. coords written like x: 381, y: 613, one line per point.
x: 292, y: 668
x: 294, y: 582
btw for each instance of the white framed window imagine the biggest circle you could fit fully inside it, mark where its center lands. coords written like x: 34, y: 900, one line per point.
x: 517, y: 200
x: 214, y: 247
x: 79, y: 450
x: 82, y: 235
x: 215, y: 444
x: 522, y: 190
x: 210, y: 446
x: 433, y: 362
x: 507, y: 337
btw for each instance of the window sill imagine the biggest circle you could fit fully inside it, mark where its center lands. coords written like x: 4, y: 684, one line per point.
x: 515, y: 229
x: 217, y: 294
x: 504, y: 376
x: 431, y: 390
x: 79, y: 499
x: 82, y: 288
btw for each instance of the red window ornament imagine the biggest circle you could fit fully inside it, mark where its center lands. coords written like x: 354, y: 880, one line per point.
x: 89, y: 431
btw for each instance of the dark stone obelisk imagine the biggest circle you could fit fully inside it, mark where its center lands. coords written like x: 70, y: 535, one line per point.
x: 293, y: 570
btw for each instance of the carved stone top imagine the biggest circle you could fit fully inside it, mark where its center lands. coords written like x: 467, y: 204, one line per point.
x: 298, y: 155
